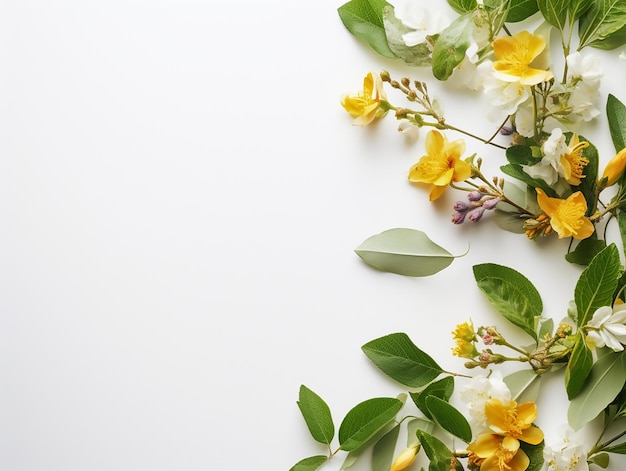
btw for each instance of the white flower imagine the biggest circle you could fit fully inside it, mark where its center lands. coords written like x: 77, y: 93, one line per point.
x: 411, y: 131
x: 567, y: 454
x: 608, y: 327
x: 505, y: 97
x: 583, y: 84
x: 550, y: 167
x: 478, y: 392
x: 586, y: 69
x: 422, y: 21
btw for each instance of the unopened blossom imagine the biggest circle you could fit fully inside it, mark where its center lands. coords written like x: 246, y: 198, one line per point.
x: 567, y: 454
x: 567, y: 216
x: 513, y: 420
x: 365, y: 107
x: 423, y: 22
x: 441, y: 165
x: 515, y: 55
x: 478, y: 391
x: 615, y: 168
x: 607, y: 327
x: 405, y: 458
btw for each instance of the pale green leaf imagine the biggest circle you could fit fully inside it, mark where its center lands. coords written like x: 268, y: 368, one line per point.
x: 512, y: 294
x: 364, y: 19
x: 418, y: 55
x: 521, y: 9
x: 602, y: 460
x: 603, y: 19
x: 405, y: 252
x: 451, y: 45
x: 524, y: 385
x: 414, y: 425
x: 310, y: 464
x: 597, y: 283
x: 463, y: 6
x: 616, y: 114
x: 449, y: 419
x: 384, y: 450
x: 316, y: 415
x: 364, y: 420
x: 400, y: 359
x: 604, y: 383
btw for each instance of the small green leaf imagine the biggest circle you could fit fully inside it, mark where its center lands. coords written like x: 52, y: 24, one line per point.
x: 316, y: 415
x: 619, y: 449
x: 463, y: 6
x: 512, y: 294
x: 521, y: 9
x: 523, y: 155
x: 438, y: 453
x: 616, y: 114
x: 604, y: 383
x: 310, y: 464
x: 413, y: 426
x: 384, y: 449
x: 603, y: 19
x: 400, y: 359
x: 403, y: 251
x: 451, y: 45
x: 535, y: 455
x: 586, y: 250
x: 518, y: 173
x: 597, y: 283
x: 524, y: 385
x: 442, y: 389
x: 578, y: 367
x: 364, y: 420
x: 602, y: 460
x: 364, y: 19
x: 449, y: 418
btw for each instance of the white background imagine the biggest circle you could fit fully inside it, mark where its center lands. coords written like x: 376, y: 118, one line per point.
x: 180, y: 197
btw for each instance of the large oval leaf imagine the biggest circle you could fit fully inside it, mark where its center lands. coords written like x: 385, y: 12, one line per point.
x: 364, y: 19
x: 524, y: 385
x: 400, y: 359
x: 578, y: 367
x: 364, y: 420
x: 384, y: 449
x: 604, y: 383
x: 449, y: 418
x: 316, y: 415
x: 404, y: 251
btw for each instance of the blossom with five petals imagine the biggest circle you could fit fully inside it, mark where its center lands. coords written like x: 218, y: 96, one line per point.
x: 515, y: 55
x: 493, y: 452
x: 513, y: 420
x: 441, y: 165
x: 567, y: 216
x: 365, y: 107
x: 608, y: 327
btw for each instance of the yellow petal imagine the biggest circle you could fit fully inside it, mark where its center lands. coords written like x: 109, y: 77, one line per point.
x: 434, y: 142
x: 436, y: 192
x: 615, y: 168
x: 532, y: 435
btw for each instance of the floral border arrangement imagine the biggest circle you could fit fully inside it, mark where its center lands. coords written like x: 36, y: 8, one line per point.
x: 555, y: 186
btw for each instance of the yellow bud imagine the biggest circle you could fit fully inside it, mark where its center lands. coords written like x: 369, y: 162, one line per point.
x: 615, y: 168
x: 405, y: 459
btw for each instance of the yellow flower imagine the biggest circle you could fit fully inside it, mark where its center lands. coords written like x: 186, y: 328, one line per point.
x: 514, y: 421
x: 366, y: 106
x: 405, y: 459
x: 441, y: 165
x: 493, y: 452
x: 464, y: 336
x: 573, y: 162
x: 514, y: 57
x: 567, y: 217
x: 615, y: 168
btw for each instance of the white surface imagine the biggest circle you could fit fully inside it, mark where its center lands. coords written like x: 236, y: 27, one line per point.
x: 180, y: 194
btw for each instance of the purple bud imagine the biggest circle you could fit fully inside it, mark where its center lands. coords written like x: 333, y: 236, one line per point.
x: 491, y: 203
x: 474, y: 195
x: 461, y: 206
x: 475, y: 214
x: 458, y: 218
x: 507, y: 130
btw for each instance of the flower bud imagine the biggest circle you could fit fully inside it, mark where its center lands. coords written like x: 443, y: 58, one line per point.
x: 461, y: 206
x: 491, y: 203
x: 405, y: 459
x: 458, y: 218
x: 615, y: 168
x: 474, y: 195
x: 476, y: 213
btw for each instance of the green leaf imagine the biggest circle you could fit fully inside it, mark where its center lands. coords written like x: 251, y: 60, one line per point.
x: 597, y: 283
x: 524, y: 385
x: 418, y: 55
x: 619, y: 449
x: 449, y: 418
x: 578, y: 367
x: 403, y: 251
x: 616, y: 114
x: 523, y: 155
x: 517, y: 172
x: 535, y: 455
x: 615, y: 40
x: 364, y: 420
x: 602, y: 386
x: 316, y: 415
x: 521, y: 9
x: 364, y: 19
x: 310, y: 464
x: 512, y: 294
x: 413, y: 426
x: 438, y: 453
x: 400, y: 359
x: 603, y: 19
x: 463, y: 6
x: 601, y: 460
x: 585, y: 250
x: 384, y: 449
x: 588, y: 184
x: 451, y: 45
x: 442, y: 389
x: 555, y: 12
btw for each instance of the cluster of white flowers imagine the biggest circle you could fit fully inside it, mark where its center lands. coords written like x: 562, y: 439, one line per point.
x: 567, y: 454
x: 608, y: 328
